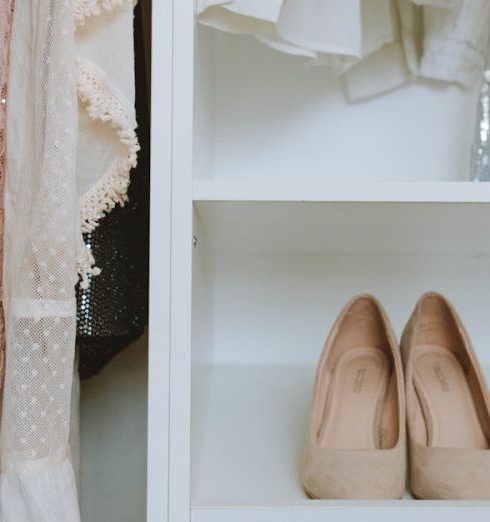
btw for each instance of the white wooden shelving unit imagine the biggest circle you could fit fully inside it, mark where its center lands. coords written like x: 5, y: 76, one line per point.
x: 285, y: 201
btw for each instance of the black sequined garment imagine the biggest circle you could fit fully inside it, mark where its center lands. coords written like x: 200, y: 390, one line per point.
x: 113, y: 312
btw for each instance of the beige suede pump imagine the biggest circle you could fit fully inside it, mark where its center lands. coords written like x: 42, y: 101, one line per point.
x: 447, y: 406
x: 356, y: 442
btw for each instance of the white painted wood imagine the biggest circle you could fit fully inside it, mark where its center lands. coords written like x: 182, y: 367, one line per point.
x: 160, y: 245
x: 248, y: 467
x: 270, y: 313
x: 281, y: 190
x: 181, y: 261
x: 254, y: 422
x: 409, y: 228
x: 353, y: 512
x: 202, y: 288
x: 301, y: 201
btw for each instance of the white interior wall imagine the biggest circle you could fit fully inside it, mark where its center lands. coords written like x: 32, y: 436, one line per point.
x: 113, y: 439
x: 263, y: 114
x: 270, y: 278
x: 278, y: 308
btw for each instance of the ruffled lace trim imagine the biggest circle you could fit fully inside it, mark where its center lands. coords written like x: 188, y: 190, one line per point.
x: 86, y: 268
x: 103, y: 104
x: 86, y: 8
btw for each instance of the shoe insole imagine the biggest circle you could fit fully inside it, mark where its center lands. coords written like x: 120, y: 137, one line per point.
x: 354, y: 410
x: 447, y: 417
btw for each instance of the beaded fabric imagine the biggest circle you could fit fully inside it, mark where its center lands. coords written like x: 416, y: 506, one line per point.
x: 113, y: 311
x: 6, y: 18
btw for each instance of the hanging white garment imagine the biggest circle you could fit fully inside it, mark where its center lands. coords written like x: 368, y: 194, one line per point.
x: 306, y: 28
x: 330, y: 28
x: 70, y: 146
x: 42, y: 233
x: 383, y: 66
x: 107, y: 121
x: 448, y: 4
x: 455, y: 40
x: 377, y: 45
x: 338, y: 34
x: 256, y: 18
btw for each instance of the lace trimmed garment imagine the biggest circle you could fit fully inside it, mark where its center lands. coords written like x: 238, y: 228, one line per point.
x: 113, y: 311
x: 71, y: 143
x: 6, y: 18
x: 376, y: 45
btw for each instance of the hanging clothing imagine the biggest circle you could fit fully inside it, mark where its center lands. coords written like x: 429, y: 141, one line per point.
x: 71, y: 143
x: 107, y: 119
x: 376, y: 45
x: 113, y: 311
x: 455, y: 40
x: 41, y: 243
x: 6, y: 19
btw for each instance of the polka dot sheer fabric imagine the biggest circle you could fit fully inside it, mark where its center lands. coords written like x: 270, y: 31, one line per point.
x: 41, y: 242
x: 60, y: 150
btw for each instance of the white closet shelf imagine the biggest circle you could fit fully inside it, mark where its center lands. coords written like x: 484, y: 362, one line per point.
x: 346, y: 512
x: 256, y: 190
x: 344, y: 227
x: 252, y: 415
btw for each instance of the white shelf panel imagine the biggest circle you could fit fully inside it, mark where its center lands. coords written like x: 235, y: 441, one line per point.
x: 248, y: 426
x: 292, y: 226
x: 347, y: 512
x: 278, y: 190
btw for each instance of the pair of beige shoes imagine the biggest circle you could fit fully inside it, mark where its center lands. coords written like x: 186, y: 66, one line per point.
x: 357, y: 440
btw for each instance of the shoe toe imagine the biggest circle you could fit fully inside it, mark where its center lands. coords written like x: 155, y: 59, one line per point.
x: 450, y: 473
x: 354, y: 474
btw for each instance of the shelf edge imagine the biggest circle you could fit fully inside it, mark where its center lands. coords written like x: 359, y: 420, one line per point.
x: 312, y: 191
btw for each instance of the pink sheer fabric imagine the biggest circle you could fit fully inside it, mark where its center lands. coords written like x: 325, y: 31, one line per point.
x: 6, y: 18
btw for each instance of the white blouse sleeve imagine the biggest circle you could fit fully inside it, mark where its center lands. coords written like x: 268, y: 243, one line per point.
x: 41, y: 240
